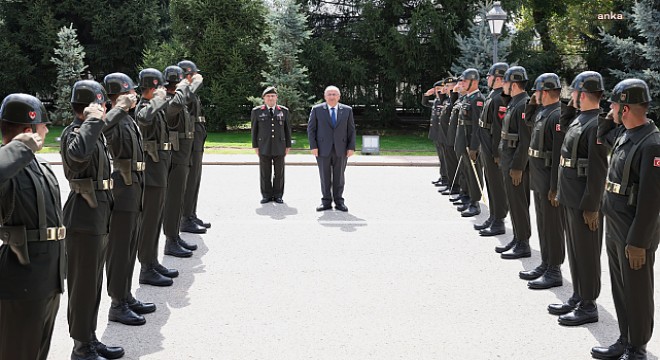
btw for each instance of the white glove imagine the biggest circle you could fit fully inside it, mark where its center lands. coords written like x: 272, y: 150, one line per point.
x: 197, y: 78
x: 32, y: 140
x: 94, y: 111
x: 126, y: 101
x: 160, y: 93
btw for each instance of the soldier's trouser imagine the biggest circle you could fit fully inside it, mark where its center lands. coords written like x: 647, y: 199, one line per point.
x: 86, y: 257
x: 551, y: 230
x: 518, y: 199
x: 583, y: 247
x: 26, y: 327
x: 471, y: 182
x: 632, y: 289
x: 271, y: 186
x: 176, y: 188
x: 193, y: 184
x: 452, y: 165
x: 440, y: 149
x: 152, y: 221
x: 496, y: 194
x: 121, y: 255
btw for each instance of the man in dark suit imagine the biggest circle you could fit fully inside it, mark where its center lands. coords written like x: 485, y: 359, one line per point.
x: 271, y: 140
x: 331, y: 132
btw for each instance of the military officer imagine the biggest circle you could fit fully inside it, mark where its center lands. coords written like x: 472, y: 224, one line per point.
x: 190, y: 222
x: 450, y: 132
x: 513, y: 163
x: 583, y: 166
x: 631, y: 207
x: 32, y: 255
x: 436, y: 132
x: 489, y: 133
x: 271, y: 141
x: 125, y: 146
x: 544, y: 151
x: 87, y: 211
x: 460, y: 181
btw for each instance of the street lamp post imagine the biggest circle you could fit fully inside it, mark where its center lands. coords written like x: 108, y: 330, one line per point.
x: 496, y: 18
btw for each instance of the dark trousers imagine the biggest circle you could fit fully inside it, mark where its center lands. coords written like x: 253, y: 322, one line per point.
x: 193, y: 184
x: 551, y: 230
x: 452, y: 165
x: 152, y: 221
x: 331, y: 171
x: 271, y: 186
x: 86, y: 257
x: 176, y: 188
x: 518, y: 199
x: 471, y: 182
x: 26, y: 327
x: 440, y: 149
x: 583, y: 247
x: 496, y: 194
x: 122, y: 252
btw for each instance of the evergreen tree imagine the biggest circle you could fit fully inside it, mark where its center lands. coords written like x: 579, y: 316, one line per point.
x: 68, y: 59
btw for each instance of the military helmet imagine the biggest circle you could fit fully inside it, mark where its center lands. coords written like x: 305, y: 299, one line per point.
x: 188, y: 67
x: 86, y: 92
x: 23, y: 109
x: 631, y: 91
x: 173, y: 75
x: 150, y: 78
x: 470, y: 74
x: 515, y: 74
x: 588, y: 81
x: 498, y: 69
x: 117, y: 83
x: 547, y: 81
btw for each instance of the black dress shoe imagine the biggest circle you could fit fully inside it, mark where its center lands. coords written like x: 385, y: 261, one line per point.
x: 486, y: 224
x: 323, y: 207
x: 464, y: 200
x: 436, y: 181
x: 149, y: 276
x: 519, y: 251
x: 535, y: 273
x: 585, y: 313
x: 279, y: 200
x: 170, y: 273
x: 472, y: 210
x: 85, y: 351
x: 341, y: 207
x: 184, y: 244
x: 612, y: 352
x: 462, y: 207
x: 201, y: 222
x: 442, y: 188
x: 502, y: 248
x: 456, y: 197
x: 450, y: 192
x: 634, y: 353
x: 265, y: 200
x: 120, y: 312
x: 496, y: 228
x: 550, y: 278
x: 108, y: 352
x: 189, y: 226
x: 173, y: 248
x: 140, y: 307
x: 565, y: 308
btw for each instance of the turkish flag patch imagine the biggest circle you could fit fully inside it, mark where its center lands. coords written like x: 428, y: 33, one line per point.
x: 480, y: 103
x: 125, y: 85
x: 155, y: 81
x: 32, y: 114
x: 656, y: 162
x: 99, y: 96
x: 523, y: 116
x: 557, y: 127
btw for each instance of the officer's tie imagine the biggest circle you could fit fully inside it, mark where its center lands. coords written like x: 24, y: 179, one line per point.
x: 333, y: 115
x: 271, y: 113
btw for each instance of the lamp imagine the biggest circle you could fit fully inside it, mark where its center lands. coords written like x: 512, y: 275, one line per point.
x: 496, y: 18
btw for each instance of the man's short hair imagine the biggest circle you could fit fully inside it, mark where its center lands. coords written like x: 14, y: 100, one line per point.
x: 330, y: 88
x: 555, y: 93
x: 594, y: 96
x: 9, y: 130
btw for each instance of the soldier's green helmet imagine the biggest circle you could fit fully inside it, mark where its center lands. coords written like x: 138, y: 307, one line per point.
x: 631, y: 91
x: 547, y: 81
x: 588, y: 81
x: 86, y: 92
x: 470, y: 74
x: 516, y: 74
x: 23, y: 109
x: 150, y: 78
x: 188, y: 67
x: 173, y: 75
x: 498, y: 69
x: 117, y: 83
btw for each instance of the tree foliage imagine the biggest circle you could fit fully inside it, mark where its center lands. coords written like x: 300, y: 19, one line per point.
x: 69, y: 60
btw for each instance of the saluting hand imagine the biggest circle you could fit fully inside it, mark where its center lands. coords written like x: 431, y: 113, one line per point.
x: 32, y: 140
x: 95, y: 111
x: 636, y: 256
x: 160, y: 93
x: 197, y: 78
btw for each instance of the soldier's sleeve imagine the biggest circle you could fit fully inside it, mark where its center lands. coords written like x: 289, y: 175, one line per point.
x: 520, y: 156
x: 287, y: 130
x: 596, y: 172
x: 608, y: 131
x: 557, y: 140
x: 496, y: 123
x: 148, y: 112
x: 14, y: 157
x: 426, y: 102
x: 79, y: 146
x: 568, y: 114
x: 475, y: 113
x: 648, y: 206
x: 312, y: 126
x: 350, y: 136
x: 530, y: 113
x: 254, y: 129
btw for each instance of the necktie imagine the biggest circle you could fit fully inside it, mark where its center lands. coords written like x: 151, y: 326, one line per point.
x: 271, y: 113
x: 333, y: 115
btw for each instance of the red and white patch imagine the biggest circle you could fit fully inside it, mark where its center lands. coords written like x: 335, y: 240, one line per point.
x: 656, y: 162
x: 480, y: 103
x: 32, y: 115
x: 125, y: 85
x: 557, y: 127
x: 598, y: 142
x: 523, y: 116
x: 99, y: 96
x: 263, y: 107
x: 278, y: 107
x: 155, y: 81
x: 501, y: 112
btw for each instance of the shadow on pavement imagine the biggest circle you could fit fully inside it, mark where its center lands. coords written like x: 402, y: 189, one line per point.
x: 276, y: 211
x: 342, y: 220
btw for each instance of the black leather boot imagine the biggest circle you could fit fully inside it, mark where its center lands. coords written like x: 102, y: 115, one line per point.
x: 486, y: 224
x: 189, y: 226
x: 502, y: 248
x: 585, y: 313
x: 535, y: 273
x: 634, y: 353
x: 108, y: 352
x: 473, y: 210
x: 520, y: 250
x: 184, y: 244
x: 84, y: 351
x: 140, y: 307
x: 564, y: 308
x: 149, y: 276
x: 496, y: 228
x: 550, y: 278
x: 173, y: 248
x: 612, y: 352
x: 170, y: 273
x: 120, y: 312
x: 201, y: 222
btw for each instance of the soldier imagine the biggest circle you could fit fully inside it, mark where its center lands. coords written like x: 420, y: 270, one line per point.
x: 631, y: 207
x: 181, y: 133
x: 190, y: 222
x: 125, y: 146
x: 150, y: 115
x: 87, y: 213
x: 513, y: 162
x: 436, y: 132
x: 450, y: 132
x: 489, y: 133
x: 31, y: 255
x: 544, y: 152
x: 583, y: 167
x: 271, y: 143
x: 461, y: 198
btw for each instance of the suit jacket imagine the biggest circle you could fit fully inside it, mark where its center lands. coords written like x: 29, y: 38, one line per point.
x: 321, y: 134
x: 271, y: 135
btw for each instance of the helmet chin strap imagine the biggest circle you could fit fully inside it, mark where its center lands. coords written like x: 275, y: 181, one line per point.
x: 34, y: 128
x: 620, y: 112
x: 577, y: 102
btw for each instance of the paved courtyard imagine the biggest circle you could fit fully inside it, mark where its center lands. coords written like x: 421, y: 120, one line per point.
x: 400, y: 276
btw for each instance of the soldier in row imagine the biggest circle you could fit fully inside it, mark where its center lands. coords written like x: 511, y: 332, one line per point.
x: 434, y: 99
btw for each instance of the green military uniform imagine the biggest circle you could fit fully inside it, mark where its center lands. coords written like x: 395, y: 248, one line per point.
x: 437, y: 133
x: 449, y: 129
x: 459, y: 178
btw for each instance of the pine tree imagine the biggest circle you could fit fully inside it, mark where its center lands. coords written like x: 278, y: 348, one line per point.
x: 641, y: 54
x: 68, y: 59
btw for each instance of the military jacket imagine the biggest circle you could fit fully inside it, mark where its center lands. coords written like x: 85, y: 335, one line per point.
x: 197, y: 117
x: 271, y: 134
x: 468, y: 122
x: 490, y: 123
x: 545, y: 148
x: 150, y: 115
x: 515, y: 134
x: 436, y: 132
x: 180, y: 126
x: 445, y: 114
x: 453, y: 120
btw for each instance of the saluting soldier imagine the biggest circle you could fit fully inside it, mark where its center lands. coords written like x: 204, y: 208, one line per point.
x: 87, y: 212
x: 436, y: 132
x: 583, y: 166
x: 125, y: 146
x: 271, y: 141
x: 461, y: 198
x: 631, y: 207
x: 450, y: 132
x: 32, y: 257
x: 544, y: 152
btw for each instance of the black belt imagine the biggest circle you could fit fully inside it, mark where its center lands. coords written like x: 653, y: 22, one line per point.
x: 484, y: 125
x: 464, y: 122
x: 52, y: 234
x: 616, y: 188
x: 201, y: 119
x: 538, y: 154
x: 187, y: 135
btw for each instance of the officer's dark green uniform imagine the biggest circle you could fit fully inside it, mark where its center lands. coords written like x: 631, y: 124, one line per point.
x: 631, y: 206
x: 436, y: 131
x: 513, y: 157
x: 32, y: 257
x: 450, y: 131
x: 544, y: 152
x: 583, y: 167
x: 489, y: 133
x: 150, y: 116
x: 271, y: 134
x: 460, y: 181
x: 125, y: 146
